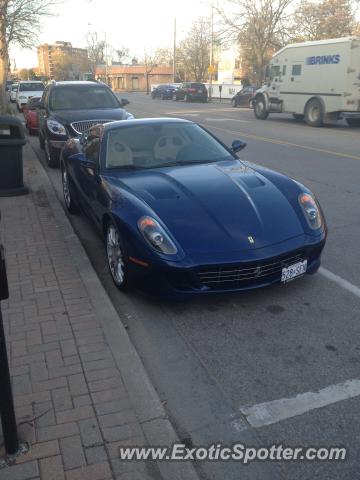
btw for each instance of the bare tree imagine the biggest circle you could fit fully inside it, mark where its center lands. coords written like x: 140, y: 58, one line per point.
x: 20, y: 21
x: 327, y: 19
x: 150, y: 61
x: 96, y: 50
x: 122, y: 54
x: 260, y: 27
x: 193, y: 53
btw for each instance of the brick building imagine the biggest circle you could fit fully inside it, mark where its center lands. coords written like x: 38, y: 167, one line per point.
x: 124, y: 78
x: 50, y: 55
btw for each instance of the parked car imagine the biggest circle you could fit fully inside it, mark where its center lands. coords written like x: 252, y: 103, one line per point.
x: 26, y: 90
x: 13, y: 92
x: 30, y: 114
x: 190, y: 91
x: 8, y: 85
x: 165, y: 92
x: 68, y: 109
x: 244, y: 97
x: 145, y: 184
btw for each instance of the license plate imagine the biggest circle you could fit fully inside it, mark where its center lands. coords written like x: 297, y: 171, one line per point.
x: 293, y: 271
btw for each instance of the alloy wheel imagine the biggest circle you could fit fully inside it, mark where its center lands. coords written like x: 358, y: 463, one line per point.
x: 115, y: 256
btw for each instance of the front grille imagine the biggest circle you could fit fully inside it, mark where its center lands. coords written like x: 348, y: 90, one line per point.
x: 85, y: 125
x: 247, y: 274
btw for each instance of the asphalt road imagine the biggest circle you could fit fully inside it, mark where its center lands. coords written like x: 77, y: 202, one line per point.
x: 214, y: 360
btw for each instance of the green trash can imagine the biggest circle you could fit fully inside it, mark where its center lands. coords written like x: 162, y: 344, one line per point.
x: 12, y: 139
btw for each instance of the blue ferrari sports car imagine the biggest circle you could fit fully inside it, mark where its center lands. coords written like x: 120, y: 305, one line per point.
x: 181, y: 214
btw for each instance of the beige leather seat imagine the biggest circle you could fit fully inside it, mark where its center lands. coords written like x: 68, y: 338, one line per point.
x: 119, y: 155
x: 167, y: 147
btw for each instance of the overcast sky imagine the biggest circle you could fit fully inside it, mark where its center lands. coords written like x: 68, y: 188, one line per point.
x: 134, y: 24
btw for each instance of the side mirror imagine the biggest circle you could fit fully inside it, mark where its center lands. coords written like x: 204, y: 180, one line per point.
x: 124, y: 101
x: 237, y: 145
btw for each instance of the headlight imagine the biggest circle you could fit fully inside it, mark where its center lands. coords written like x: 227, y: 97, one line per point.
x: 311, y: 210
x: 156, y: 236
x: 55, y: 127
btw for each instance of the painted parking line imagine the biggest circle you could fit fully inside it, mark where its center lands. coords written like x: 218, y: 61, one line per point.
x: 216, y: 119
x: 275, y: 411
x: 288, y: 144
x: 341, y: 282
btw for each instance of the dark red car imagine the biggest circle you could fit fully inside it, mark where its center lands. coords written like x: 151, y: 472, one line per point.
x: 30, y: 114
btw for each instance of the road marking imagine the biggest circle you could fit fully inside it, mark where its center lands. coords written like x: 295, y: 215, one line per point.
x: 289, y: 144
x: 215, y: 119
x: 268, y: 413
x: 340, y: 281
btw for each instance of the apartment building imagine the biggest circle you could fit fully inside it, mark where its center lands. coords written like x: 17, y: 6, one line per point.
x: 52, y: 57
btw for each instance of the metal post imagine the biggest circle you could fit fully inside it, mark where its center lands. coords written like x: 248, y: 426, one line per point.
x: 7, y: 411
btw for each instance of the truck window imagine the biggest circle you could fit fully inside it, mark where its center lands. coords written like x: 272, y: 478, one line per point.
x: 296, y: 70
x: 275, y: 71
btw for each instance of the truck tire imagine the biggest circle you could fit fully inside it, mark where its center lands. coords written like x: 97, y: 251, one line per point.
x: 353, y: 122
x: 260, y: 108
x: 298, y: 117
x: 314, y: 113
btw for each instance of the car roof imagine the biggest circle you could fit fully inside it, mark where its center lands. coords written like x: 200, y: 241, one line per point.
x: 144, y: 121
x: 31, y: 81
x: 70, y: 83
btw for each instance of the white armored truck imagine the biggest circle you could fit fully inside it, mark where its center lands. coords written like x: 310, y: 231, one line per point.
x: 316, y: 81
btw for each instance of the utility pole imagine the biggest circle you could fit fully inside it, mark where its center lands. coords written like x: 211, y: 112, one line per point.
x: 211, y: 49
x: 174, y: 52
x: 106, y: 61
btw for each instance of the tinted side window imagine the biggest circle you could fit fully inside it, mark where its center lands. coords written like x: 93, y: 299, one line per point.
x: 296, y: 70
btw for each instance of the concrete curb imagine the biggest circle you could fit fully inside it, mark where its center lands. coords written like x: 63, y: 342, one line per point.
x: 157, y: 427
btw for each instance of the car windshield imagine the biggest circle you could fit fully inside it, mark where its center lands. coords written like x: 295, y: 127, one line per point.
x: 31, y: 87
x: 14, y: 88
x: 161, y: 145
x: 82, y: 97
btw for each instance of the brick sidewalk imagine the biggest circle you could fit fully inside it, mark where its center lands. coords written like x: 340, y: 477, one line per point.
x: 71, y: 403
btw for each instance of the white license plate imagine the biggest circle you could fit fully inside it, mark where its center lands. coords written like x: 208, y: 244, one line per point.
x: 293, y: 271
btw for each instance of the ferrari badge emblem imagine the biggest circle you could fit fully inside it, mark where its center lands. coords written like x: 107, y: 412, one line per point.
x: 251, y: 239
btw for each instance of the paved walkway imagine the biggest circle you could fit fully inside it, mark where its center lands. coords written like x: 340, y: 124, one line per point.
x: 65, y: 345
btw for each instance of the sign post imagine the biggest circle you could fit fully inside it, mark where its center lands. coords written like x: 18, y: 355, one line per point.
x: 7, y: 411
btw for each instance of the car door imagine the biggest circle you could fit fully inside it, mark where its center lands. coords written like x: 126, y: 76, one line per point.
x: 42, y: 114
x: 86, y: 174
x: 181, y: 91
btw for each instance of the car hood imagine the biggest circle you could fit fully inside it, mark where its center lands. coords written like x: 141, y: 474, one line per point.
x: 219, y: 207
x: 69, y: 116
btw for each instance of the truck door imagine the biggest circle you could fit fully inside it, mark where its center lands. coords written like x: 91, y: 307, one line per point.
x: 352, y: 94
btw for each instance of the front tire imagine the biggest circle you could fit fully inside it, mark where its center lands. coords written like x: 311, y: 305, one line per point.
x: 116, y: 257
x: 51, y: 155
x: 314, y: 113
x: 68, y: 192
x: 260, y: 109
x: 41, y: 141
x: 233, y: 103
